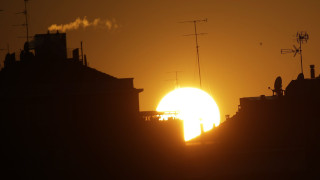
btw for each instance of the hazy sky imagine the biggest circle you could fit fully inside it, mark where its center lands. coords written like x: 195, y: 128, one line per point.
x: 240, y: 55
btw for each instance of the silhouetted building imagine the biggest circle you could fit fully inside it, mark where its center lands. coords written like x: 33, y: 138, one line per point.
x: 9, y: 60
x: 60, y: 118
x: 50, y: 46
x: 277, y: 135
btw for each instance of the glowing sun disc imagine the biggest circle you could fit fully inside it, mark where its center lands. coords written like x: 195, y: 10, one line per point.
x: 195, y: 107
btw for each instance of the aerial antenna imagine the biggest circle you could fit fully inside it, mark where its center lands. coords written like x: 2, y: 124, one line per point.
x: 176, y: 79
x: 302, y: 37
x: 26, y: 24
x: 26, y: 16
x: 196, y: 35
x: 177, y: 84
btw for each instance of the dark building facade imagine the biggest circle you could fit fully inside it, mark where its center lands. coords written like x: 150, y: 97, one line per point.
x: 50, y: 46
x: 277, y: 136
x: 61, y: 118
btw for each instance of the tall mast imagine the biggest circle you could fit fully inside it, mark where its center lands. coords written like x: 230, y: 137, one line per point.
x: 197, y: 45
x: 26, y: 24
x: 26, y: 16
x: 301, y: 38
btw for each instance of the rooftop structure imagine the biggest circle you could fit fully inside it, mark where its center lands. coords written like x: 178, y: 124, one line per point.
x: 283, y: 128
x: 62, y: 114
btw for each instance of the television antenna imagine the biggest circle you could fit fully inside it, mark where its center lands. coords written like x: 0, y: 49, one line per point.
x: 196, y: 34
x: 302, y: 37
x: 177, y: 82
x: 176, y: 79
x: 26, y: 24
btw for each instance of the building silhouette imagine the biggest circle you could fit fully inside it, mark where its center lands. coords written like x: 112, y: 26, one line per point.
x: 275, y: 137
x: 61, y: 119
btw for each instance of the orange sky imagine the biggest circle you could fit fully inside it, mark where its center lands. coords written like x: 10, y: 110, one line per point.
x: 149, y: 44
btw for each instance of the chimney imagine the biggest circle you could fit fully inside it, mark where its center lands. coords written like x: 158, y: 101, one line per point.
x: 312, y: 71
x: 75, y: 54
x: 81, y: 52
x: 85, y: 61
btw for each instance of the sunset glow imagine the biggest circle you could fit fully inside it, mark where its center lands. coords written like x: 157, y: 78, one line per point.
x: 195, y: 107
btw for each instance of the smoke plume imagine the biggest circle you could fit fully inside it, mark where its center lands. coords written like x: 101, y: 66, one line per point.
x: 84, y: 23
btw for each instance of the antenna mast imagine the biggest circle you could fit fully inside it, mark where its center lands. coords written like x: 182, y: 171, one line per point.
x: 26, y: 15
x: 176, y: 78
x: 196, y: 35
x: 301, y: 38
x: 177, y: 82
x: 26, y: 24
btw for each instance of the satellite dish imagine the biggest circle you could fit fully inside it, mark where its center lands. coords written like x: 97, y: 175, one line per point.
x: 278, y: 86
x: 300, y: 76
x: 278, y: 83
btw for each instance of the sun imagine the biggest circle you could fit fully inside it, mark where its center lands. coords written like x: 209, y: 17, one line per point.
x: 196, y: 108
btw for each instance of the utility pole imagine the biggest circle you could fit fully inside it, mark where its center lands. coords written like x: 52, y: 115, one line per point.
x: 196, y: 34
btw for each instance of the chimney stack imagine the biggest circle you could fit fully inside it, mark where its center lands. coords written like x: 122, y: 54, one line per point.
x: 312, y: 71
x: 85, y: 61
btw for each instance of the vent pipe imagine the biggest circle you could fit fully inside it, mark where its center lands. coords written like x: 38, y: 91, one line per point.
x: 85, y: 61
x: 81, y: 52
x: 312, y: 71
